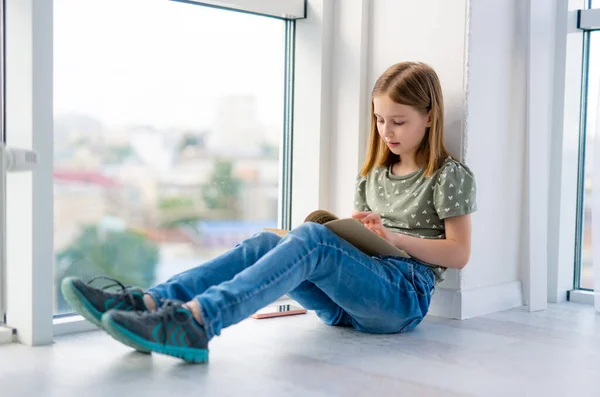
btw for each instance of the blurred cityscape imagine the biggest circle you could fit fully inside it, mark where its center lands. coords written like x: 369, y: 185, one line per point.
x: 587, y: 268
x: 141, y: 204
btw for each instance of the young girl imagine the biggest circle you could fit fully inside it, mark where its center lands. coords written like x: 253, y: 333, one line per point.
x: 410, y: 191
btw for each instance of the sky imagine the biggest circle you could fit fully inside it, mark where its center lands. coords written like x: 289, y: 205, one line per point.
x: 163, y: 63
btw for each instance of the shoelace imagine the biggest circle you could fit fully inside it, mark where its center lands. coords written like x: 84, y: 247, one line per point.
x: 125, y: 290
x: 168, y: 312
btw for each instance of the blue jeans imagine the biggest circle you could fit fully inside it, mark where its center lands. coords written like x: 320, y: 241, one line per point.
x: 316, y: 268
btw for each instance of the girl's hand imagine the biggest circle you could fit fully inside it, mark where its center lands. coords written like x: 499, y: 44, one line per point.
x: 372, y: 220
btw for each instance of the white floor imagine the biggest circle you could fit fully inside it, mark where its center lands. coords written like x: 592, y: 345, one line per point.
x: 513, y: 353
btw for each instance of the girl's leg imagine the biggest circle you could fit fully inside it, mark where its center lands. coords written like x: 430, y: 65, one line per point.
x: 184, y: 286
x: 312, y: 297
x: 379, y: 295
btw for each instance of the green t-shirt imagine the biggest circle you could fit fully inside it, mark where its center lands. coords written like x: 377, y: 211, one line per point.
x: 417, y: 205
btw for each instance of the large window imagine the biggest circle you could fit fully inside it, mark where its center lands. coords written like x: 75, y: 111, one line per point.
x: 168, y: 127
x: 2, y: 175
x: 590, y: 98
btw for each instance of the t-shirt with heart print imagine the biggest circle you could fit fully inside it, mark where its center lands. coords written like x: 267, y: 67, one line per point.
x: 417, y: 205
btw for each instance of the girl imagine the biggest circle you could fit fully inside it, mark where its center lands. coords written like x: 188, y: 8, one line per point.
x: 409, y: 191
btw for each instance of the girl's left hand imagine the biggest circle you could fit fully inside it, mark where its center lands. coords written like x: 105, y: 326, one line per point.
x: 372, y: 220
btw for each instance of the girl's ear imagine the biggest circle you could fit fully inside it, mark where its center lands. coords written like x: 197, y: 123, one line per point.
x: 428, y: 119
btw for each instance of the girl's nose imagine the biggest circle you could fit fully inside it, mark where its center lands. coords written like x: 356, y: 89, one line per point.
x: 387, y: 132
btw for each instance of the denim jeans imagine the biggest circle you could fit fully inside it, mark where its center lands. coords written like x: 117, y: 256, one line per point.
x: 315, y: 267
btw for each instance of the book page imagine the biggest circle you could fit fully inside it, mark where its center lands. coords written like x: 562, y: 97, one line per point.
x: 320, y: 217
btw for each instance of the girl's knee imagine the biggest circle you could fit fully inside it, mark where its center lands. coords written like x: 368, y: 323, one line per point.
x: 312, y: 230
x: 267, y: 238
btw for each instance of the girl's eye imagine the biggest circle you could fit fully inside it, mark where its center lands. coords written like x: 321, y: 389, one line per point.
x: 379, y: 121
x: 400, y: 123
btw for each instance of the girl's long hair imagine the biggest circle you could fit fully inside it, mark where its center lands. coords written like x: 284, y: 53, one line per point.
x: 417, y: 85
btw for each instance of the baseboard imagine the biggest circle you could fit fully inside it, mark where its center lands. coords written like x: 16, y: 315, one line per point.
x: 446, y: 303
x: 580, y: 296
x: 495, y: 298
x: 464, y: 304
x: 7, y: 335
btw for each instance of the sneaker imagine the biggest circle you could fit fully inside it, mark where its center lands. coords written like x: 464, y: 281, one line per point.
x: 170, y: 330
x: 92, y: 302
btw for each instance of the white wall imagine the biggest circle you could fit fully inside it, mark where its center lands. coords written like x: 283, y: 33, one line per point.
x: 496, y: 137
x: 350, y: 99
x: 431, y: 31
x: 312, y: 113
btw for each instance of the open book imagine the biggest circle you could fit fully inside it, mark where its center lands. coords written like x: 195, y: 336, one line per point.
x: 354, y: 232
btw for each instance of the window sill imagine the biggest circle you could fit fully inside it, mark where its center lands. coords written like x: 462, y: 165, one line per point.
x: 581, y: 296
x: 72, y: 325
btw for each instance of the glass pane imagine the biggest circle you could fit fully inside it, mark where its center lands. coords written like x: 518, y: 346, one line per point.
x: 587, y: 280
x: 167, y: 125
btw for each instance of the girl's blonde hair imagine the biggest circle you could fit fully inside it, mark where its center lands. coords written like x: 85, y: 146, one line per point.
x: 417, y: 85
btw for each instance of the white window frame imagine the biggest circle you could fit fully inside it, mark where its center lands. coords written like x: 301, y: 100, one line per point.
x: 587, y: 20
x: 2, y: 173
x: 288, y: 9
x: 564, y: 184
x: 30, y: 260
x: 29, y: 222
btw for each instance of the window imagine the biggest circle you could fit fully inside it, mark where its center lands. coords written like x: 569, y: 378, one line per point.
x: 590, y: 102
x: 2, y: 176
x: 171, y: 135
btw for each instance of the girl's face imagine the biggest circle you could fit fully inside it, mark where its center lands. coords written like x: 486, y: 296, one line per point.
x: 402, y: 127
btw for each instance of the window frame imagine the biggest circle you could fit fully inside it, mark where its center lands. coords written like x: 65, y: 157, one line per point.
x: 564, y: 152
x: 30, y: 220
x: 588, y: 21
x: 289, y: 10
x: 2, y: 170
x: 29, y: 216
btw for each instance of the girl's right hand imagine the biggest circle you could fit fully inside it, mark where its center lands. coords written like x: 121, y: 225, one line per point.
x: 360, y: 215
x: 372, y: 220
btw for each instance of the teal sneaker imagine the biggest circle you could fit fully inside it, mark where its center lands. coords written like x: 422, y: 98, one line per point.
x: 92, y: 302
x: 171, y: 330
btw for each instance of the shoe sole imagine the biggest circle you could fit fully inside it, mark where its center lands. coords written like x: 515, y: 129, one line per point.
x: 127, y: 337
x: 82, y: 306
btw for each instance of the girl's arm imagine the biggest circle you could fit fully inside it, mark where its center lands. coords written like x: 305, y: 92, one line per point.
x: 453, y: 251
